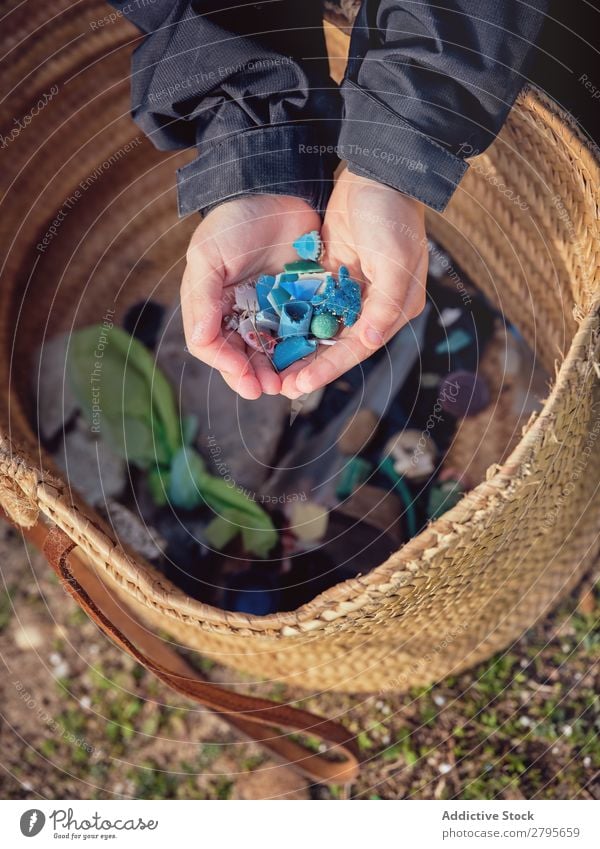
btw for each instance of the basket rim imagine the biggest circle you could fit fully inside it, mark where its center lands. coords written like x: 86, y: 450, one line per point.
x: 141, y: 580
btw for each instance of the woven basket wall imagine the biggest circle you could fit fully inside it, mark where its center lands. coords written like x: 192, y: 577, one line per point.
x: 475, y: 579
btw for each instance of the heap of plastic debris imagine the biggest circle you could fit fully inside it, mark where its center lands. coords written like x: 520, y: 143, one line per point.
x: 288, y: 315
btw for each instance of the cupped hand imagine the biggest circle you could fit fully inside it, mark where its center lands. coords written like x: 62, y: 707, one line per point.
x: 235, y: 243
x: 379, y: 234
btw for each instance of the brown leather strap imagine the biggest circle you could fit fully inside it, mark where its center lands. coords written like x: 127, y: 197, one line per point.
x: 258, y: 719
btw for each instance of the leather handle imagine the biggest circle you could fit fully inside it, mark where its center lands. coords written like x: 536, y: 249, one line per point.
x: 256, y: 718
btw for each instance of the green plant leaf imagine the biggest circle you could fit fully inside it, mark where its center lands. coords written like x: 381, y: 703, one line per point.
x: 257, y: 529
x: 258, y: 537
x: 124, y: 394
x: 158, y: 480
x: 220, y: 532
x: 129, y: 400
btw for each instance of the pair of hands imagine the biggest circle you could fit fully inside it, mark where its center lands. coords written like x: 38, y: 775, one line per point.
x: 377, y: 232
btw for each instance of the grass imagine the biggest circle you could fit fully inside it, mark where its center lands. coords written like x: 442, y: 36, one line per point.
x: 522, y: 725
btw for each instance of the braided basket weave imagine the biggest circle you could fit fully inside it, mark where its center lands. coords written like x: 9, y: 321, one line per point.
x: 476, y: 578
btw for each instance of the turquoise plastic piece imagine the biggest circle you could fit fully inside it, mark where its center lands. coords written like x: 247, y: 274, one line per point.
x: 309, y: 245
x: 295, y: 318
x: 341, y: 298
x: 277, y: 297
x: 303, y: 266
x: 403, y: 490
x: 303, y: 289
x: 324, y: 326
x: 443, y: 496
x: 354, y: 474
x: 291, y: 349
x: 456, y: 341
x: 263, y: 286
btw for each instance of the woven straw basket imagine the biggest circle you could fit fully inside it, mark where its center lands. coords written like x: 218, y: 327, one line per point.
x: 465, y: 587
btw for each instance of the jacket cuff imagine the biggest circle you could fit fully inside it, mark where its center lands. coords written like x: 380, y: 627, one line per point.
x: 379, y: 144
x: 279, y: 160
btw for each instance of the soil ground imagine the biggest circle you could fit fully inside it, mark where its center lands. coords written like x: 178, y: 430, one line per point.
x: 80, y: 720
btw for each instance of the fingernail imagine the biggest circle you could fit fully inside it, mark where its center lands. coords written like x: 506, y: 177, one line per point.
x: 304, y: 383
x: 373, y: 337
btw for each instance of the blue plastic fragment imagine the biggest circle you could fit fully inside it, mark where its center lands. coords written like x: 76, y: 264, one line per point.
x: 295, y: 318
x: 309, y: 245
x: 303, y: 289
x: 341, y: 299
x: 303, y: 266
x: 456, y: 341
x: 291, y: 349
x: 263, y: 286
x: 277, y: 297
x: 267, y: 320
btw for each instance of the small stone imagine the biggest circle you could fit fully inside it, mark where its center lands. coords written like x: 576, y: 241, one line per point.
x: 439, y: 700
x: 309, y: 245
x: 291, y: 349
x: 324, y: 326
x: 448, y: 316
x: 444, y: 769
x: 308, y: 520
x: 61, y: 669
x: 412, y: 455
x: 28, y: 637
x: 91, y: 466
x: 56, y: 404
x: 429, y: 380
x: 358, y: 432
x: 463, y: 393
x: 131, y: 530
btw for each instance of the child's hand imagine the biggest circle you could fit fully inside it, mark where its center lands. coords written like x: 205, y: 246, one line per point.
x: 235, y: 243
x: 379, y: 234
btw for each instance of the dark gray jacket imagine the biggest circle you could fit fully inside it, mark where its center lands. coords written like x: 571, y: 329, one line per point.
x: 428, y: 84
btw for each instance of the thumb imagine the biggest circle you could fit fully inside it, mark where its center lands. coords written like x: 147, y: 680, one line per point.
x: 388, y: 304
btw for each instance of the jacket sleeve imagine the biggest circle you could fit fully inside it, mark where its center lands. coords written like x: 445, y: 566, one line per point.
x: 430, y: 83
x: 248, y: 85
